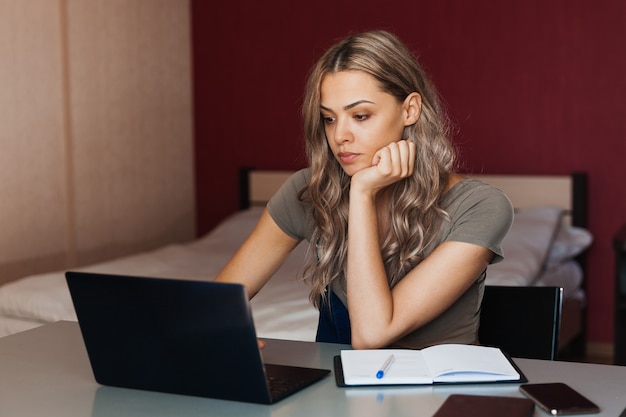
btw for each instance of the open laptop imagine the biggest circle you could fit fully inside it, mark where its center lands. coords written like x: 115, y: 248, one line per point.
x: 176, y: 336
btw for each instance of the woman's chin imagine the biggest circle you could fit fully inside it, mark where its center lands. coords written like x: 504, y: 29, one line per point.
x: 351, y: 169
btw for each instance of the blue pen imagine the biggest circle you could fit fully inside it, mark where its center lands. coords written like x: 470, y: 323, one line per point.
x: 385, y: 367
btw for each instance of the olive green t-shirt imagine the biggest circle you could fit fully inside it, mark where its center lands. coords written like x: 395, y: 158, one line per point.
x: 479, y: 214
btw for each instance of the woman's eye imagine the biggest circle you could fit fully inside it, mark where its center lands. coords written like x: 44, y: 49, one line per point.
x: 328, y: 119
x: 361, y: 117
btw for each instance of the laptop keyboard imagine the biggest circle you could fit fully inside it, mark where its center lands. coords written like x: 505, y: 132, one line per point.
x: 283, y: 380
x: 280, y: 386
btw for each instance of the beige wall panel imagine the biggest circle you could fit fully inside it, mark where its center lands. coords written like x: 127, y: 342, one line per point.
x: 32, y: 154
x: 130, y: 70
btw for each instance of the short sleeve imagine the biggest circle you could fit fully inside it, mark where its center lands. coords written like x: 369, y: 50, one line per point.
x: 480, y: 214
x: 288, y: 212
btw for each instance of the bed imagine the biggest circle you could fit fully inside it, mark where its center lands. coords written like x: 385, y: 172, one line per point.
x: 545, y: 247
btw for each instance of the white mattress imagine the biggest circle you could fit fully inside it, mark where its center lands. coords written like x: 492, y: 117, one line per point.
x: 281, y: 310
x: 10, y: 325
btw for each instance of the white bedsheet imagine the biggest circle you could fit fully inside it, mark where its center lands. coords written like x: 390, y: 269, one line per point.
x: 280, y: 310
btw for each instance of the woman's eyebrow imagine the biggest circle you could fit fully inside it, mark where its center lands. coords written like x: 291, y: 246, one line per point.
x: 349, y: 106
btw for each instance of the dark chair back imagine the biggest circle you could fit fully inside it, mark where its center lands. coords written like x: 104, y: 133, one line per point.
x: 524, y: 322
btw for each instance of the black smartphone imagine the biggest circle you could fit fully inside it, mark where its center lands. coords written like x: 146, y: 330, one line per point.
x: 558, y: 398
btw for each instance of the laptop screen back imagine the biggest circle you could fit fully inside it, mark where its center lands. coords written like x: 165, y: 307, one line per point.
x: 185, y: 337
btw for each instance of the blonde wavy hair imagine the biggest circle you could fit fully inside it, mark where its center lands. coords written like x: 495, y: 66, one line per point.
x: 415, y: 201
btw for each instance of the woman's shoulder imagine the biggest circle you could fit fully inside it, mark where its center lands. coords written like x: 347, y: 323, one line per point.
x: 287, y: 210
x: 479, y: 213
x: 290, y: 189
x: 471, y: 190
x: 472, y: 197
x: 300, y: 177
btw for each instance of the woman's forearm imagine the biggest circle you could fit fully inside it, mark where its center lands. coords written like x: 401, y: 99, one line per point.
x: 369, y: 297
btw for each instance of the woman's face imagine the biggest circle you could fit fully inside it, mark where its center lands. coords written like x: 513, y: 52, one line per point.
x: 359, y: 118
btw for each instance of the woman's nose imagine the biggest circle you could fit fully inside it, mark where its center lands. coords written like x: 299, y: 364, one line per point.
x: 342, y: 132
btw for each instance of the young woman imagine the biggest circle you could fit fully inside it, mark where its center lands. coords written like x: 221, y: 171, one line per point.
x: 399, y: 243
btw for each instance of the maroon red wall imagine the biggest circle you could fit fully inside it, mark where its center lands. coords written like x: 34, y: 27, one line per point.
x: 534, y: 87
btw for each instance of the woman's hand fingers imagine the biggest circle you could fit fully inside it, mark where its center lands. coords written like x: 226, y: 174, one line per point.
x: 389, y: 164
x: 396, y: 160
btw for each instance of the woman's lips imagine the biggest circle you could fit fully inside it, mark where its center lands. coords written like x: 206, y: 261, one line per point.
x: 347, y: 157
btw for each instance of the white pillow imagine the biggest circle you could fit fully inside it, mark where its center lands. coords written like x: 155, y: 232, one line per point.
x: 570, y: 242
x: 567, y: 275
x: 526, y: 246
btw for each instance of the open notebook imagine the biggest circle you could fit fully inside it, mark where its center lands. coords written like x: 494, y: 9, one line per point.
x: 439, y: 364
